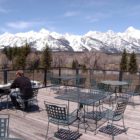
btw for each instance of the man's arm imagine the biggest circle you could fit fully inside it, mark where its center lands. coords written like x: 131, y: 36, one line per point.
x: 14, y: 84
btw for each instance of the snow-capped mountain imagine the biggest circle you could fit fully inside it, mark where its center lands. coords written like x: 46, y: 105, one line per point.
x: 92, y: 41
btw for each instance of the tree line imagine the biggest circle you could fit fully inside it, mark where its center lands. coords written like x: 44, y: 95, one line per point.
x: 23, y: 57
x: 129, y: 62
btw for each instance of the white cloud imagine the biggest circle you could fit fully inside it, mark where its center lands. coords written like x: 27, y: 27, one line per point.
x: 89, y: 3
x: 2, y: 10
x: 22, y: 24
x: 92, y: 19
x: 97, y: 17
x: 19, y: 25
x: 71, y: 13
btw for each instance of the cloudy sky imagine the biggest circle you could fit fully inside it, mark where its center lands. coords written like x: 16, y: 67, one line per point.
x: 69, y: 16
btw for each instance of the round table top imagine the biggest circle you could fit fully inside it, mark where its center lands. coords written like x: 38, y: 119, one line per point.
x: 114, y: 83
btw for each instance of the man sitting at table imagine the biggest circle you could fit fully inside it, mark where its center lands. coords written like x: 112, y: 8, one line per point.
x: 25, y: 87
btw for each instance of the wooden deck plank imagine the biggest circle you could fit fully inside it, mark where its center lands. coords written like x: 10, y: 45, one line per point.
x: 32, y: 126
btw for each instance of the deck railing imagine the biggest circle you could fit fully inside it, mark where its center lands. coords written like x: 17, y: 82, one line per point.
x: 43, y: 75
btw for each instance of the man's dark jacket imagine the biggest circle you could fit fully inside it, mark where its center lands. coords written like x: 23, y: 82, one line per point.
x: 24, y: 84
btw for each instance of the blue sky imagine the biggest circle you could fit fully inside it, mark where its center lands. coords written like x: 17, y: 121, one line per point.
x: 69, y: 16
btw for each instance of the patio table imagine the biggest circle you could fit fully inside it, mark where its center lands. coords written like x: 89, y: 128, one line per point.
x: 115, y: 84
x: 83, y: 98
x: 65, y: 79
x: 5, y: 86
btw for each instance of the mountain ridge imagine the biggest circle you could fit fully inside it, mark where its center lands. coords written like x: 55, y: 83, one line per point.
x: 110, y: 41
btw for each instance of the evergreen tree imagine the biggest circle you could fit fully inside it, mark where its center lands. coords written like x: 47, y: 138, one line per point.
x: 15, y: 51
x: 20, y: 61
x: 46, y: 58
x: 84, y: 69
x: 9, y: 53
x: 32, y: 61
x: 133, y: 67
x: 124, y: 61
x: 26, y: 49
x: 74, y: 64
x: 5, y: 51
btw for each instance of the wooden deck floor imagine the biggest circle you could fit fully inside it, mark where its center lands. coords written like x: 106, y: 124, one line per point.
x: 32, y: 126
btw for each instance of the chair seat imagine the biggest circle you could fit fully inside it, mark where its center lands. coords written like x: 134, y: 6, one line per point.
x: 67, y: 134
x: 96, y: 115
x: 69, y: 120
x: 109, y: 114
x: 112, y: 130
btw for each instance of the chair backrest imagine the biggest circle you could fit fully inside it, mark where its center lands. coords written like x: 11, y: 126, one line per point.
x: 93, y: 83
x: 137, y: 89
x: 102, y: 86
x: 81, y: 81
x: 58, y: 112
x: 49, y: 75
x: 128, y: 81
x: 120, y: 108
x: 4, y: 125
x: 55, y: 81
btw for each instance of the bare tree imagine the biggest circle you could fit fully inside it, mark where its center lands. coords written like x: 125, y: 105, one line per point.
x: 91, y: 59
x: 59, y: 59
x: 32, y: 60
x: 3, y: 60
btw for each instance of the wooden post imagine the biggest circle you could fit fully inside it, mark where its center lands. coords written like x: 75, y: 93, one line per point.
x: 77, y: 76
x: 120, y: 79
x: 59, y: 74
x: 120, y: 75
x: 45, y: 77
x: 5, y: 76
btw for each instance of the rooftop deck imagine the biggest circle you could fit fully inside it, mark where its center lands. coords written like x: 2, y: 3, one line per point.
x: 32, y: 125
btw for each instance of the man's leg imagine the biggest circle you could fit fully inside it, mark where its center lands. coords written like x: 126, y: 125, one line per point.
x: 26, y: 102
x: 13, y: 96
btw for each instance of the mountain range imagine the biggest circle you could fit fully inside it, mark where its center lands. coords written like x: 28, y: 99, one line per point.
x: 109, y: 42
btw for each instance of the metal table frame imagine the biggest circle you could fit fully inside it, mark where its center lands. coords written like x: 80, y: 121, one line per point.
x: 83, y: 98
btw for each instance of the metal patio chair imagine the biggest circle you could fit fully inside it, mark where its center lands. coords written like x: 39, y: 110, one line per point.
x: 29, y: 101
x: 106, y: 89
x: 127, y: 87
x: 115, y: 115
x: 4, y: 125
x: 59, y: 115
x: 4, y: 96
x: 118, y: 113
x: 135, y: 92
x: 55, y: 84
x: 80, y: 82
x: 93, y: 83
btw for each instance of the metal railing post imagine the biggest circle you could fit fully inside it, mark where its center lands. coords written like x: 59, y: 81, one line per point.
x: 120, y: 79
x: 45, y: 77
x: 77, y: 75
x: 5, y: 76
